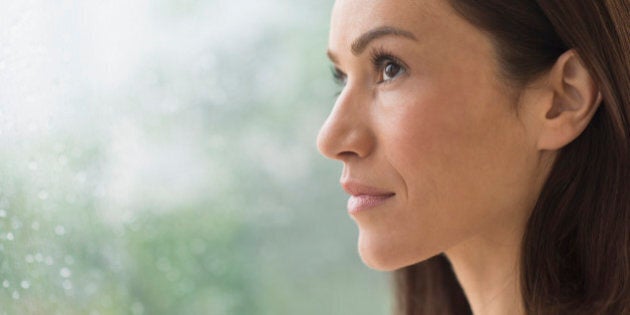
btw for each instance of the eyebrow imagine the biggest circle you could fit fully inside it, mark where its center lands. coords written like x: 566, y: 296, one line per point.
x: 359, y: 44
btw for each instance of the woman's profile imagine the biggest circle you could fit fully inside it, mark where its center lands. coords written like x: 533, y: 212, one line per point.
x: 486, y: 151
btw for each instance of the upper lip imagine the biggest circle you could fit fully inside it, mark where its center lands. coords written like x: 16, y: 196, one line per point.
x: 356, y: 188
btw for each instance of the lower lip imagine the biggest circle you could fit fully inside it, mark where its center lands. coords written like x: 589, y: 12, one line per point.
x: 361, y: 203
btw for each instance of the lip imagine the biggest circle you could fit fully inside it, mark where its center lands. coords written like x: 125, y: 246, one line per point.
x: 364, y: 197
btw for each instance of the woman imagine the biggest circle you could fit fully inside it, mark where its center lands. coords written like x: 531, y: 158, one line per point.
x: 486, y: 150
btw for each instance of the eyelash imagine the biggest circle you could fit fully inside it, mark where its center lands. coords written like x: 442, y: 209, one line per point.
x: 339, y: 77
x: 379, y: 58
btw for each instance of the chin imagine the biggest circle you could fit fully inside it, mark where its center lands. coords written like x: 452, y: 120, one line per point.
x: 384, y: 257
x: 376, y: 262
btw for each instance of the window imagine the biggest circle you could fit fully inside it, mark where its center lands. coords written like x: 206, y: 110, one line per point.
x: 155, y: 158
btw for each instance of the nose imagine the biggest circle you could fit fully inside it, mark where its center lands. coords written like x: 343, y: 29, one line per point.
x: 347, y: 132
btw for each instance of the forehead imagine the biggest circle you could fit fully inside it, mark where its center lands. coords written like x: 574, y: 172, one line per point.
x: 351, y: 18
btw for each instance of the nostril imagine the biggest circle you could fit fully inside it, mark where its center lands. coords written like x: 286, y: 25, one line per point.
x: 346, y: 155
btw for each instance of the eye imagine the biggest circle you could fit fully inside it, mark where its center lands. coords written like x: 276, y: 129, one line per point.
x: 390, y: 71
x: 387, y: 66
x: 339, y: 77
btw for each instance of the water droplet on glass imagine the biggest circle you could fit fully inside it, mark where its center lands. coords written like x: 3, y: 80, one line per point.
x: 60, y: 230
x: 35, y: 226
x: 43, y: 195
x: 16, y: 295
x: 67, y: 284
x: 16, y: 224
x: 6, y: 283
x: 10, y: 236
x: 3, y: 213
x: 25, y: 284
x: 65, y: 272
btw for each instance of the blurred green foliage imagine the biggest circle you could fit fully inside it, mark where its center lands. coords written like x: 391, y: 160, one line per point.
x: 165, y: 163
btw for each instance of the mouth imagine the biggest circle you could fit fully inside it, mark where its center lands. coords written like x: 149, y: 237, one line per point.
x: 364, y: 197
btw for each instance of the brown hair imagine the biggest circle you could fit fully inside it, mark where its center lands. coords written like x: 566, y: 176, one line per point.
x: 575, y: 255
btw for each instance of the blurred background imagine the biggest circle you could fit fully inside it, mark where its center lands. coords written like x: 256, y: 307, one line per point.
x: 158, y: 157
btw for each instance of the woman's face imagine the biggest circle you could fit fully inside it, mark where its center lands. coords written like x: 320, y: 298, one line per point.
x: 424, y: 120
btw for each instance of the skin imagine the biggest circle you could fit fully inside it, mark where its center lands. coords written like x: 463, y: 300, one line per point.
x: 465, y: 155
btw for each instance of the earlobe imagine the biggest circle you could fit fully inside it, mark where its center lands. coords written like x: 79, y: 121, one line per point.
x: 574, y: 100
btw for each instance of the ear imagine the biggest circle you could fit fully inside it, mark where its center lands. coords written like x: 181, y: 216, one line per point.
x: 573, y: 100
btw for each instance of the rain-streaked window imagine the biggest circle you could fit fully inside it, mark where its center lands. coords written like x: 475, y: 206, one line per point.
x: 158, y: 157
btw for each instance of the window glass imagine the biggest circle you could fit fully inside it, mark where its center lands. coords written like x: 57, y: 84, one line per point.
x: 158, y: 157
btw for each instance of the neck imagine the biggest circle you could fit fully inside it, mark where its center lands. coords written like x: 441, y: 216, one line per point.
x: 488, y: 270
x: 488, y: 265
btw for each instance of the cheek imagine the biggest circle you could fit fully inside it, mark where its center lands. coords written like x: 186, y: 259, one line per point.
x: 461, y: 162
x: 461, y: 149
x: 439, y: 152
x: 442, y: 139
